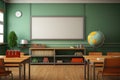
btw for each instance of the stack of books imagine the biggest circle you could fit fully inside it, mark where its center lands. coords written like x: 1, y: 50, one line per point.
x: 45, y: 60
x: 78, y: 60
x: 59, y: 61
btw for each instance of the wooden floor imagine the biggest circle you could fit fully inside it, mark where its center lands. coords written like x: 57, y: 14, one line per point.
x: 55, y: 72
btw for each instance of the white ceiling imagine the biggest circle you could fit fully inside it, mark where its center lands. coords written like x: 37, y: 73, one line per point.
x: 62, y: 1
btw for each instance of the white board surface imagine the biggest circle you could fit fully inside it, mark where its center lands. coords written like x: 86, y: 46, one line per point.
x: 57, y: 28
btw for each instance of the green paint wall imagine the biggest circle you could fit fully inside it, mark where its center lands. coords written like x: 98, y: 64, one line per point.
x: 103, y: 17
x: 57, y: 9
x: 1, y: 4
x: 20, y: 25
x: 106, y: 18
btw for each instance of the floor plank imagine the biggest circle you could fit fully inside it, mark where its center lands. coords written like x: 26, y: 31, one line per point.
x: 57, y: 72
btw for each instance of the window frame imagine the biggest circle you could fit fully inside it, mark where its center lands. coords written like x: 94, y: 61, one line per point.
x: 2, y: 24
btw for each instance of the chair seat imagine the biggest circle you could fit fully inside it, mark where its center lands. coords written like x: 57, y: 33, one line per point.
x: 97, y: 65
x: 108, y: 73
x: 12, y: 65
x: 5, y: 73
x: 112, y: 72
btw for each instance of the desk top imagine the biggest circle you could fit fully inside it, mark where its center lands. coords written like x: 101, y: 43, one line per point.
x: 15, y: 60
x: 98, y: 59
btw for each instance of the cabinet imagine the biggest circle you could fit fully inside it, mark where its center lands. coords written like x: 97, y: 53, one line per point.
x: 57, y: 55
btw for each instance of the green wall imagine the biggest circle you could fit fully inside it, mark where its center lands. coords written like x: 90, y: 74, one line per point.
x: 20, y: 25
x: 103, y: 17
x: 57, y: 9
x: 1, y: 4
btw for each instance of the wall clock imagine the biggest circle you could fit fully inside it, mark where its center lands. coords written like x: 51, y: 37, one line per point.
x: 18, y: 13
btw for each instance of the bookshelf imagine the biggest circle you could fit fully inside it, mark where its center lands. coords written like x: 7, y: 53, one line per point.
x: 57, y: 55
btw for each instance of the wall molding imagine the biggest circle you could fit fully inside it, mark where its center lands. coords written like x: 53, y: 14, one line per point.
x: 62, y: 1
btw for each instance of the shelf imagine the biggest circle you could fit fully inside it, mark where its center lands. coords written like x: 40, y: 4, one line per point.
x: 57, y: 48
x: 56, y: 55
x: 69, y: 63
x: 67, y: 56
x: 41, y: 56
x: 42, y: 63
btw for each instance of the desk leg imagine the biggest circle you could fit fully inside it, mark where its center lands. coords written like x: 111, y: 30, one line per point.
x: 20, y: 72
x: 85, y: 71
x: 24, y: 71
x: 93, y: 71
x: 88, y: 71
x: 29, y: 69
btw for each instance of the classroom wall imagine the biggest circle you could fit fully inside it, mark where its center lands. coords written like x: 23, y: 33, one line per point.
x: 1, y: 4
x: 103, y: 17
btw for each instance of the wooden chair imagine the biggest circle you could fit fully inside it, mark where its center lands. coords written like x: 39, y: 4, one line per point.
x: 113, y: 53
x: 22, y: 54
x: 4, y: 72
x: 95, y: 54
x: 111, y: 67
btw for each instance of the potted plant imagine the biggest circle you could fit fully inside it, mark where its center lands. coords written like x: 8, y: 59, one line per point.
x: 12, y: 40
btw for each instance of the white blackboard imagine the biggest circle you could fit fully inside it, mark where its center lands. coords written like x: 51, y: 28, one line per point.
x: 57, y: 28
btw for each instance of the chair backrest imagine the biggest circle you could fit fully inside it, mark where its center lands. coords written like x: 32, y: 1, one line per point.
x: 22, y: 54
x: 113, y: 53
x: 112, y: 64
x: 2, y: 67
x: 95, y: 54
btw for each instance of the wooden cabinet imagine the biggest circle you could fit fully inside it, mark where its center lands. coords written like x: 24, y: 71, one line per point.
x: 57, y: 55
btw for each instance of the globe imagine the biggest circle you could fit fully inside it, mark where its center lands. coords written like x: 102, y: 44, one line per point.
x: 96, y: 38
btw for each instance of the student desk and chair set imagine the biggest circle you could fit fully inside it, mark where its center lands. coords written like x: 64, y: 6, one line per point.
x: 16, y: 59
x: 21, y: 61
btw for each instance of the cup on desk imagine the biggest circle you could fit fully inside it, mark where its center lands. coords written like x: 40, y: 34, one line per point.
x: 100, y: 58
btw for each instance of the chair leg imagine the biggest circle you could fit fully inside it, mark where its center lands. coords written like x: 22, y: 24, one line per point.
x: 11, y: 75
x: 98, y: 75
x: 102, y: 77
x: 6, y: 78
x: 0, y: 78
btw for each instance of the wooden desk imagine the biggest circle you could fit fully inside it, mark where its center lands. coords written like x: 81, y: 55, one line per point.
x: 95, y: 60
x: 19, y: 61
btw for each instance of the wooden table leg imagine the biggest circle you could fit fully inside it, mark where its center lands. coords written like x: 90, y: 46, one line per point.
x: 88, y: 69
x: 29, y: 69
x: 85, y: 70
x: 93, y: 71
x: 24, y: 71
x: 20, y: 72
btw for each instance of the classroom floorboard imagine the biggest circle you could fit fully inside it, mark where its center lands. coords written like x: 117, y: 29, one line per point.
x: 57, y: 72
